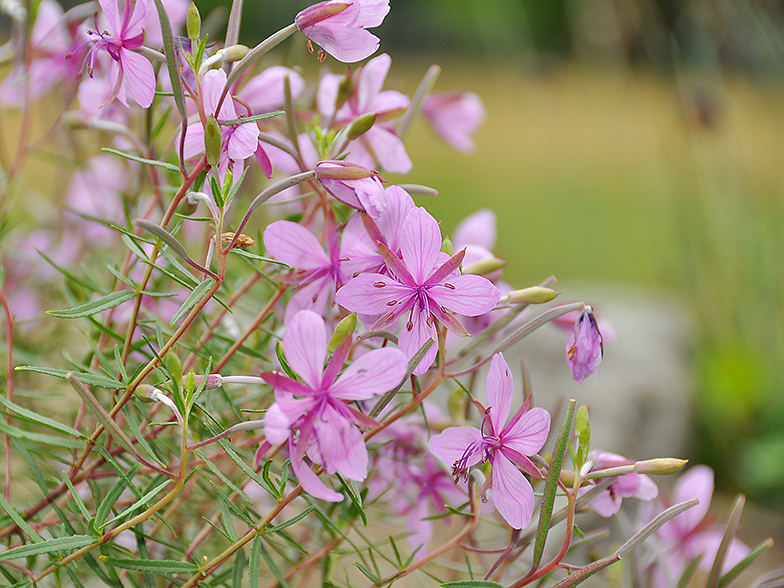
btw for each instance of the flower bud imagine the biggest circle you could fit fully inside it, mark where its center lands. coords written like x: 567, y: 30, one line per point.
x: 457, y: 406
x: 484, y: 266
x: 345, y: 87
x: 146, y: 393
x: 446, y: 246
x: 585, y: 349
x: 214, y: 381
x: 662, y: 465
x: 212, y: 141
x: 361, y: 125
x: 193, y: 23
x: 342, y: 170
x: 567, y: 478
x: 318, y: 12
x: 533, y: 295
x: 344, y: 329
x: 233, y: 53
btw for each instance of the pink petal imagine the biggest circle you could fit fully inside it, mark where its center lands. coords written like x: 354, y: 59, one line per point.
x: 512, y: 493
x: 276, y: 425
x: 346, y: 44
x: 341, y: 445
x: 420, y: 243
x: 529, y: 433
x: 371, y: 294
x: 371, y: 195
x: 111, y: 12
x: 374, y: 373
x: 263, y: 160
x: 477, y: 229
x: 606, y: 504
x: 414, y: 334
x: 388, y: 104
x: 310, y: 482
x: 327, y: 94
x: 371, y: 80
x: 136, y: 21
x: 451, y: 445
x: 294, y: 245
x: 707, y: 543
x: 399, y: 204
x: 138, y: 76
x: 388, y: 149
x: 312, y: 296
x: 469, y: 295
x: 420, y: 530
x: 305, y: 344
x: 264, y: 92
x: 697, y: 482
x: 243, y: 142
x: 500, y: 388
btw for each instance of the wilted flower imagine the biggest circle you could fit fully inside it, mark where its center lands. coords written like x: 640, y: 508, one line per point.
x: 503, y: 445
x: 339, y: 27
x: 585, y: 349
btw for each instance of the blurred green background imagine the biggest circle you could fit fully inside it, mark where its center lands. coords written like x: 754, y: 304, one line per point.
x: 629, y: 141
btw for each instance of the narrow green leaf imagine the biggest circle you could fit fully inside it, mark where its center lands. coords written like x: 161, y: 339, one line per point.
x: 741, y: 566
x: 193, y: 298
x: 94, y: 306
x: 153, y: 566
x: 239, y: 567
x: 48, y: 546
x: 83, y: 510
x: 352, y: 488
x: 551, y: 486
x: 89, y: 379
x: 726, y: 541
x: 255, y: 560
x: 141, y: 503
x: 254, y: 257
x: 164, y: 235
x: 33, y: 417
x: 246, y: 469
x: 40, y: 437
x: 586, y: 572
x: 163, y: 164
x: 367, y: 573
x: 103, y: 510
x: 20, y: 522
x: 292, y: 521
x: 689, y: 572
x: 248, y: 119
x: 273, y: 566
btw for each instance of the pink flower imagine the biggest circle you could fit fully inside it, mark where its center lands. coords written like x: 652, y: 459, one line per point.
x: 128, y: 70
x: 318, y: 274
x: 264, y: 92
x: 50, y: 42
x: 318, y: 406
x: 585, y: 349
x: 503, y: 445
x: 455, y: 117
x: 422, y: 286
x: 238, y: 142
x: 688, y: 535
x: 339, y: 27
x: 354, y: 185
x: 177, y: 10
x: 367, y: 98
x: 629, y: 485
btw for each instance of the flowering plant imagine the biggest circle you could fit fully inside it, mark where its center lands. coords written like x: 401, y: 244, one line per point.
x: 264, y: 409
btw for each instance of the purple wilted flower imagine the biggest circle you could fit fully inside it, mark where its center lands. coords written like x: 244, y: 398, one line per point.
x: 421, y: 285
x: 128, y: 70
x: 238, y: 142
x: 585, y: 349
x: 318, y: 406
x: 503, y: 445
x: 629, y: 485
x: 318, y: 274
x: 455, y: 116
x: 689, y: 535
x: 354, y: 185
x: 339, y: 27
x: 367, y: 98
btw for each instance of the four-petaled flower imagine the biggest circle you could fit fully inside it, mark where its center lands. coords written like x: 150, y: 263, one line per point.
x: 422, y: 285
x: 339, y: 27
x: 128, y: 70
x: 318, y: 406
x: 630, y: 485
x: 503, y: 445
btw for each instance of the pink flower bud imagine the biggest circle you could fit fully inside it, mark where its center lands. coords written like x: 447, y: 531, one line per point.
x: 354, y: 185
x: 585, y: 349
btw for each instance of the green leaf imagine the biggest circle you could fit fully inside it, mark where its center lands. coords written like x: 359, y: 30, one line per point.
x: 352, y: 488
x: 41, y: 437
x: 551, y: 486
x: 94, y: 306
x: 741, y: 566
x: 255, y: 559
x: 142, y: 502
x: 472, y: 584
x: 102, y: 513
x: 48, y: 546
x: 193, y: 298
x: 89, y: 379
x: 273, y: 567
x: 254, y: 257
x: 153, y: 566
x: 292, y: 521
x: 34, y: 417
x: 20, y: 522
x: 163, y: 164
x: 248, y: 119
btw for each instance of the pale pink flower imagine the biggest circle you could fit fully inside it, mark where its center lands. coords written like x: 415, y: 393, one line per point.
x: 354, y: 185
x: 339, y: 27
x: 585, y: 349
x: 128, y: 70
x: 420, y: 287
x: 50, y: 43
x: 629, y: 485
x: 367, y: 97
x: 455, y: 117
x: 318, y: 406
x: 238, y: 142
x: 689, y: 535
x: 264, y: 92
x: 504, y: 445
x: 177, y: 10
x: 317, y: 274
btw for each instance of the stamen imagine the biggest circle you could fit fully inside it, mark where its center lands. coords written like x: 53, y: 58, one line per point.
x: 392, y: 303
x: 378, y: 284
x: 448, y: 285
